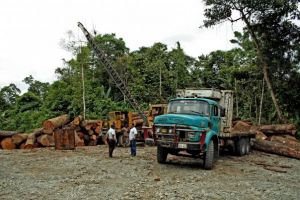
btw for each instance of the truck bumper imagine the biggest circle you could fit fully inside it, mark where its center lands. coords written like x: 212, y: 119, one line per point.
x: 182, y: 145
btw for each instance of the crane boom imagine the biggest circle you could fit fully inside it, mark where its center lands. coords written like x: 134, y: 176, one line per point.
x: 114, y: 75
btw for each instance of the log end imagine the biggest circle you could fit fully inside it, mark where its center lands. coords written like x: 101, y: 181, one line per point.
x: 7, y: 144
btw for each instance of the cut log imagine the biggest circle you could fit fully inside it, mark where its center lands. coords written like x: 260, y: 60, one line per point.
x: 260, y: 135
x: 4, y: 134
x: 240, y: 127
x: 7, y: 144
x: 247, y: 121
x: 98, y: 130
x: 93, y: 140
x: 22, y: 145
x: 31, y: 139
x: 64, y: 139
x: 278, y: 129
x: 91, y: 124
x: 86, y: 139
x: 46, y: 140
x: 78, y: 141
x: 51, y: 124
x: 80, y: 135
x: 17, y: 139
x: 77, y: 120
x: 289, y: 141
x: 104, y: 139
x: 276, y: 148
x: 91, y: 132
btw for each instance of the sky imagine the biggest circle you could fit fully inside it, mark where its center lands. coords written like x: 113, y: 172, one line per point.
x: 31, y: 31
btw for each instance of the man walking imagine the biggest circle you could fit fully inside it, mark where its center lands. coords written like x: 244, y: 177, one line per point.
x: 132, y: 139
x: 111, y: 139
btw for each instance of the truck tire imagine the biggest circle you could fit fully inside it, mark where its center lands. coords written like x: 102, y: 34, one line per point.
x: 248, y: 146
x: 240, y: 146
x: 209, y: 156
x: 121, y: 141
x: 162, y: 154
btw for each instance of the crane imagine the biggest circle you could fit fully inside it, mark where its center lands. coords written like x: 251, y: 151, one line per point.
x: 114, y: 75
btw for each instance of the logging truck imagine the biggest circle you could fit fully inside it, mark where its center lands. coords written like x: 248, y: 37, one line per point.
x: 198, y: 123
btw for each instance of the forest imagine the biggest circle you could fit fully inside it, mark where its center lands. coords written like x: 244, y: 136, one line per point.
x: 263, y: 70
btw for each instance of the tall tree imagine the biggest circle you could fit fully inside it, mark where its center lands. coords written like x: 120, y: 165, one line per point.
x: 8, y: 96
x: 259, y: 16
x: 37, y: 87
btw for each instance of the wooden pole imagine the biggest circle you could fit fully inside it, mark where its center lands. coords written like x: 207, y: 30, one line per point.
x: 83, y: 91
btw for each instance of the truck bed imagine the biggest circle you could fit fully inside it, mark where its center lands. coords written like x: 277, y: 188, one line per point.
x: 236, y: 134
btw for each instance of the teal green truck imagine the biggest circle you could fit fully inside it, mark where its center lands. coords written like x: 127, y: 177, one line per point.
x: 198, y: 124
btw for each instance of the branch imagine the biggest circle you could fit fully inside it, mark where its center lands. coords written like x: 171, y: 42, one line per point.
x: 217, y: 23
x: 234, y: 20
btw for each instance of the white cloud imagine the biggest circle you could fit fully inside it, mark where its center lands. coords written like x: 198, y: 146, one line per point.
x: 31, y: 30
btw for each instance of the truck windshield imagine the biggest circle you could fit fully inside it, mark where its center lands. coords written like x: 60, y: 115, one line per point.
x: 189, y: 107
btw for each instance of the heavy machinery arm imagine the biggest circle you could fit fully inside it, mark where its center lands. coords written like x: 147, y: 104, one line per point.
x: 114, y: 75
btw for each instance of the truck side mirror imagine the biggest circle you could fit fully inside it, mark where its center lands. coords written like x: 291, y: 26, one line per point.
x: 222, y: 112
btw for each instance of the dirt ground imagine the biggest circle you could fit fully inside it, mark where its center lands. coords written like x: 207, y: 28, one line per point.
x: 88, y: 173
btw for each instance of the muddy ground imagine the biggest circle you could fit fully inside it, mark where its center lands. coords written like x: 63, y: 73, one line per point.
x: 88, y: 173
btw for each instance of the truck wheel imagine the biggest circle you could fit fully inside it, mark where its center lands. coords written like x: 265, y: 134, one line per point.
x: 240, y: 146
x: 161, y: 154
x: 248, y: 147
x: 121, y: 141
x: 209, y: 156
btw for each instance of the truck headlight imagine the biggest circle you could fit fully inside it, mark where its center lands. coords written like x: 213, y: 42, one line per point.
x: 191, y: 134
x: 157, y: 130
x: 170, y: 131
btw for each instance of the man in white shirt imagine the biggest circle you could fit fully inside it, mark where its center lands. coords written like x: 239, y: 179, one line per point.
x: 111, y: 139
x: 132, y: 139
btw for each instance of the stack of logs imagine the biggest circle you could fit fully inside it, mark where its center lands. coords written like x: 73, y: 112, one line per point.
x: 87, y: 132
x: 278, y: 139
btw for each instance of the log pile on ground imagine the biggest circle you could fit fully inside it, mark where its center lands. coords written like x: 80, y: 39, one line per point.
x: 86, y: 132
x: 278, y: 139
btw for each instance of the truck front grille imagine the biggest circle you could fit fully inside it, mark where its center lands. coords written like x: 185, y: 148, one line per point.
x: 167, y: 133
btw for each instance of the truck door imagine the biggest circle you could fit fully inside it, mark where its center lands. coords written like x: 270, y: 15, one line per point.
x: 215, y: 119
